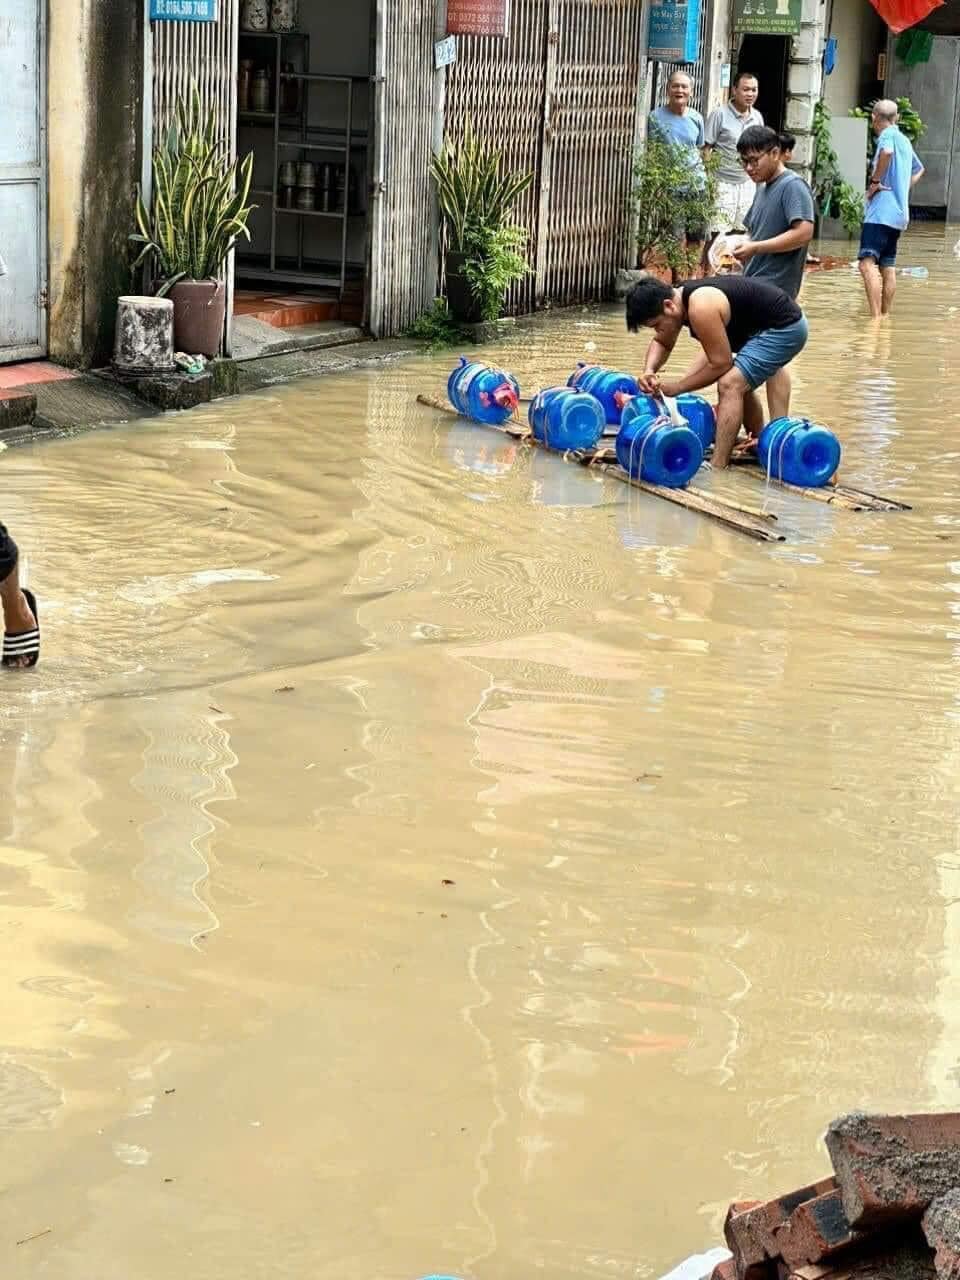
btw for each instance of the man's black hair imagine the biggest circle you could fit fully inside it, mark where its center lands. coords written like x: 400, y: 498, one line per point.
x: 744, y: 75
x: 787, y: 142
x: 758, y: 138
x: 645, y: 302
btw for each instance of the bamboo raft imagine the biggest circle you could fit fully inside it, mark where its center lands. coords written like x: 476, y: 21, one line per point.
x: 748, y: 520
x: 843, y: 496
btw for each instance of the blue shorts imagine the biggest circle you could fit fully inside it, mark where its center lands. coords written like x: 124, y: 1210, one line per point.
x: 769, y: 351
x: 880, y: 242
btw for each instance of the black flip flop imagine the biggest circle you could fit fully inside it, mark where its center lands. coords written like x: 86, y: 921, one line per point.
x: 26, y: 644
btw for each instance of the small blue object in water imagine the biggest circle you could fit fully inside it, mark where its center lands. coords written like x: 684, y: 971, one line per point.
x: 918, y: 273
x: 651, y: 448
x: 564, y: 419
x: 612, y: 389
x: 479, y: 391
x: 799, y: 452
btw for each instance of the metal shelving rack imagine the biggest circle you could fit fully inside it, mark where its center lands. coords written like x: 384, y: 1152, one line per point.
x: 310, y: 140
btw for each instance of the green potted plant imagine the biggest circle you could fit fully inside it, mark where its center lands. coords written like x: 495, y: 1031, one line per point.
x: 198, y: 211
x: 662, y: 169
x: 484, y: 249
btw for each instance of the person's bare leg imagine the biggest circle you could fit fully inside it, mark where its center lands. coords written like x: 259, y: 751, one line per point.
x: 17, y: 616
x: 889, y: 276
x: 753, y: 416
x: 732, y: 387
x: 873, y: 285
x: 779, y: 389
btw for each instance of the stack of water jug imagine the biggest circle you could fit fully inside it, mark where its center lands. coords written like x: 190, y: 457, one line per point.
x: 652, y: 445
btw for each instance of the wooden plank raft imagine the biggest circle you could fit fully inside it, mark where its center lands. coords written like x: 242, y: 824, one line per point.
x: 834, y: 495
x: 750, y: 521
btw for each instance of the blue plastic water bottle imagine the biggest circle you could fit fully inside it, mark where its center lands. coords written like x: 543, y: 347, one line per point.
x: 565, y: 419
x: 798, y: 451
x: 701, y: 417
x: 481, y: 392
x: 612, y: 389
x: 651, y: 448
x: 700, y: 414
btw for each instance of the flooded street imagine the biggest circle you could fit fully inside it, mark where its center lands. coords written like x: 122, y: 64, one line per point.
x: 418, y: 854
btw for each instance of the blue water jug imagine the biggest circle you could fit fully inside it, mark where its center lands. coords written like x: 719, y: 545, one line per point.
x: 799, y: 452
x: 612, y: 389
x: 651, y: 448
x: 701, y: 417
x: 565, y: 419
x: 479, y: 391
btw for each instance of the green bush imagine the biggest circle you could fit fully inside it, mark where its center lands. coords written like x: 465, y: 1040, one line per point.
x: 661, y: 170
x: 835, y: 198
x: 436, y: 327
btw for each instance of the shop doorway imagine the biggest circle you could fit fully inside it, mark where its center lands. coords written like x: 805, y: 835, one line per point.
x: 768, y: 57
x: 303, y: 109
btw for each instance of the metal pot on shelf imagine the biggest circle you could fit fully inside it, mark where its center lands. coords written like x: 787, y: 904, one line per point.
x: 261, y: 91
x: 284, y: 15
x: 255, y: 15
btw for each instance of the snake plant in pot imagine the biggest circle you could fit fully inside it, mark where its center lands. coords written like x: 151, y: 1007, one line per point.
x: 484, y: 249
x: 198, y: 211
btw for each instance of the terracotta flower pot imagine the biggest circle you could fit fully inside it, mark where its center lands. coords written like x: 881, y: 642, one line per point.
x: 461, y: 303
x: 199, y: 310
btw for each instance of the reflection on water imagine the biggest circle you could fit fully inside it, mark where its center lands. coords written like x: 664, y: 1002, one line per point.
x: 418, y: 853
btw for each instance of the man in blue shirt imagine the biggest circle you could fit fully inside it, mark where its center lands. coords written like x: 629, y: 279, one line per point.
x: 679, y: 124
x: 896, y: 170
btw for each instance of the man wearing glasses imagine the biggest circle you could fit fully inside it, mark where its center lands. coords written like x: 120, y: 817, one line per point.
x: 780, y: 221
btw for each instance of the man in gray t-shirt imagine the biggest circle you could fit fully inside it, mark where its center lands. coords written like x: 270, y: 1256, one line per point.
x: 781, y: 218
x: 723, y: 131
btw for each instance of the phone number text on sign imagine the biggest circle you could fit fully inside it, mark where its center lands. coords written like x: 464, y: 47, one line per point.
x: 183, y: 10
x: 478, y: 17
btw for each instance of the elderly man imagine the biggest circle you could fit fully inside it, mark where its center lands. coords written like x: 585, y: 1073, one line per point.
x: 21, y: 638
x: 896, y: 171
x: 679, y: 124
x: 735, y: 190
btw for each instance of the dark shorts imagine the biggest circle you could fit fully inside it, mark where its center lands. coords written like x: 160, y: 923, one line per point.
x: 8, y: 554
x: 880, y: 242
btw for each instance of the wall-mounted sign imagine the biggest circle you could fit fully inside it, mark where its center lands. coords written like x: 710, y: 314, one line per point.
x: 675, y: 30
x: 183, y: 10
x: 445, y: 52
x: 767, y: 17
x: 478, y: 17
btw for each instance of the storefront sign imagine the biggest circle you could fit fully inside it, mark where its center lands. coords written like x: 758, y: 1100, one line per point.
x: 767, y: 17
x: 478, y: 17
x: 183, y: 10
x: 675, y: 30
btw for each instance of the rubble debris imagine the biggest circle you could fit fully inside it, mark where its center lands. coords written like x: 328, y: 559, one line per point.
x: 892, y: 1167
x: 941, y: 1226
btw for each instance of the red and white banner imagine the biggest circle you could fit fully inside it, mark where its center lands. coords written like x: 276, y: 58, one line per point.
x: 478, y: 17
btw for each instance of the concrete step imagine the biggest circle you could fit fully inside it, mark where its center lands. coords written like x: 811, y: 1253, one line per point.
x: 18, y: 408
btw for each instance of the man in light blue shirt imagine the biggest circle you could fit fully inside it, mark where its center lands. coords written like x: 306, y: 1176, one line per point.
x: 679, y: 124
x: 896, y: 170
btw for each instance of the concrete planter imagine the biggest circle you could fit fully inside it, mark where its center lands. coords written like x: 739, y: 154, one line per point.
x: 833, y: 229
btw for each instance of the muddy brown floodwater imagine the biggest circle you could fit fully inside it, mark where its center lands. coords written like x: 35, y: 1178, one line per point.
x: 420, y: 855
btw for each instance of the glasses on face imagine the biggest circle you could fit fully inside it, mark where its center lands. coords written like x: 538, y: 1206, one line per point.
x: 751, y: 162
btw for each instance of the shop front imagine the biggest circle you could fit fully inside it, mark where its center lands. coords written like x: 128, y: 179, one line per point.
x: 336, y: 103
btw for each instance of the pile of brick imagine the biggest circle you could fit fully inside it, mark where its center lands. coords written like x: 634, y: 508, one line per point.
x: 890, y: 1212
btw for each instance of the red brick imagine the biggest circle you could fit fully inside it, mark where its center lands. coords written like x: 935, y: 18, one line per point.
x: 816, y: 1231
x: 941, y: 1226
x: 906, y: 1257
x: 724, y: 1271
x: 892, y: 1167
x: 751, y: 1236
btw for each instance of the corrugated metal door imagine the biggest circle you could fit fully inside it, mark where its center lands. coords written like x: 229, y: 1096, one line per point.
x: 180, y: 55
x: 23, y: 168
x: 403, y: 236
x: 562, y: 96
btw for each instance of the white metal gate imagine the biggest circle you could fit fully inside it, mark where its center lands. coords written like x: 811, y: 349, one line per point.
x: 23, y: 176
x: 403, y: 233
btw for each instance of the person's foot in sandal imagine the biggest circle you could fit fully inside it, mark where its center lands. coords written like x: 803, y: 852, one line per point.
x: 21, y: 638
